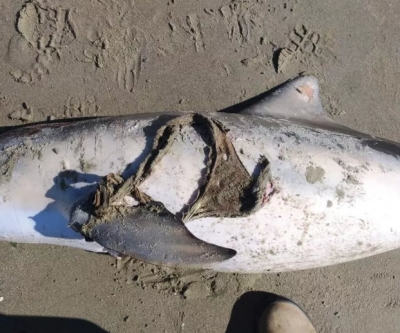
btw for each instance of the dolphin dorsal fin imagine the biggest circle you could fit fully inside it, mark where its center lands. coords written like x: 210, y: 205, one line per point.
x: 298, y: 98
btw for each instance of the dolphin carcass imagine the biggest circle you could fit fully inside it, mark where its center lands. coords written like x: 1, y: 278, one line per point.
x: 273, y: 187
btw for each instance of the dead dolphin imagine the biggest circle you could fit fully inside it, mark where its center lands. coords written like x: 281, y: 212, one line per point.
x: 274, y: 187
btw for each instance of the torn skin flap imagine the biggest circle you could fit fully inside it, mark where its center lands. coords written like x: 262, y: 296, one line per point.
x: 229, y: 190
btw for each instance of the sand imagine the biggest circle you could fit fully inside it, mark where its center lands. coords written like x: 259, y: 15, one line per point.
x: 63, y: 59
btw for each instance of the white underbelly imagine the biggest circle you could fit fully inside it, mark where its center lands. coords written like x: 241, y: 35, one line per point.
x: 282, y: 238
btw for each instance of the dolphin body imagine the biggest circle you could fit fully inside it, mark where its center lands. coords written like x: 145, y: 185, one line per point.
x: 277, y: 186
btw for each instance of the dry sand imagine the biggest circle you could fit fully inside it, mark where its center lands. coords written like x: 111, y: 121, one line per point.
x: 62, y: 59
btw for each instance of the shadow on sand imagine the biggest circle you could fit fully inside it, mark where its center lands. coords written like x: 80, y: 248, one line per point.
x: 36, y: 324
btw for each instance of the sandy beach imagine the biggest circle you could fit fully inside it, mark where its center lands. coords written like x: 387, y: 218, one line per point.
x: 67, y: 59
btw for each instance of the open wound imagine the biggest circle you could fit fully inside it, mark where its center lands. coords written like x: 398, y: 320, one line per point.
x: 228, y: 190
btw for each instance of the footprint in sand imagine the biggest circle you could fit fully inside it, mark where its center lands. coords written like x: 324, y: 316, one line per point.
x: 81, y: 107
x: 42, y: 32
x: 120, y: 49
x: 305, y: 45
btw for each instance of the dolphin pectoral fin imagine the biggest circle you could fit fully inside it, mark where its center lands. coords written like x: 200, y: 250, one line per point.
x: 151, y: 233
x: 298, y: 98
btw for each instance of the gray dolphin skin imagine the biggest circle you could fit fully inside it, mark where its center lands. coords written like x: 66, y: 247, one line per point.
x: 272, y: 184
